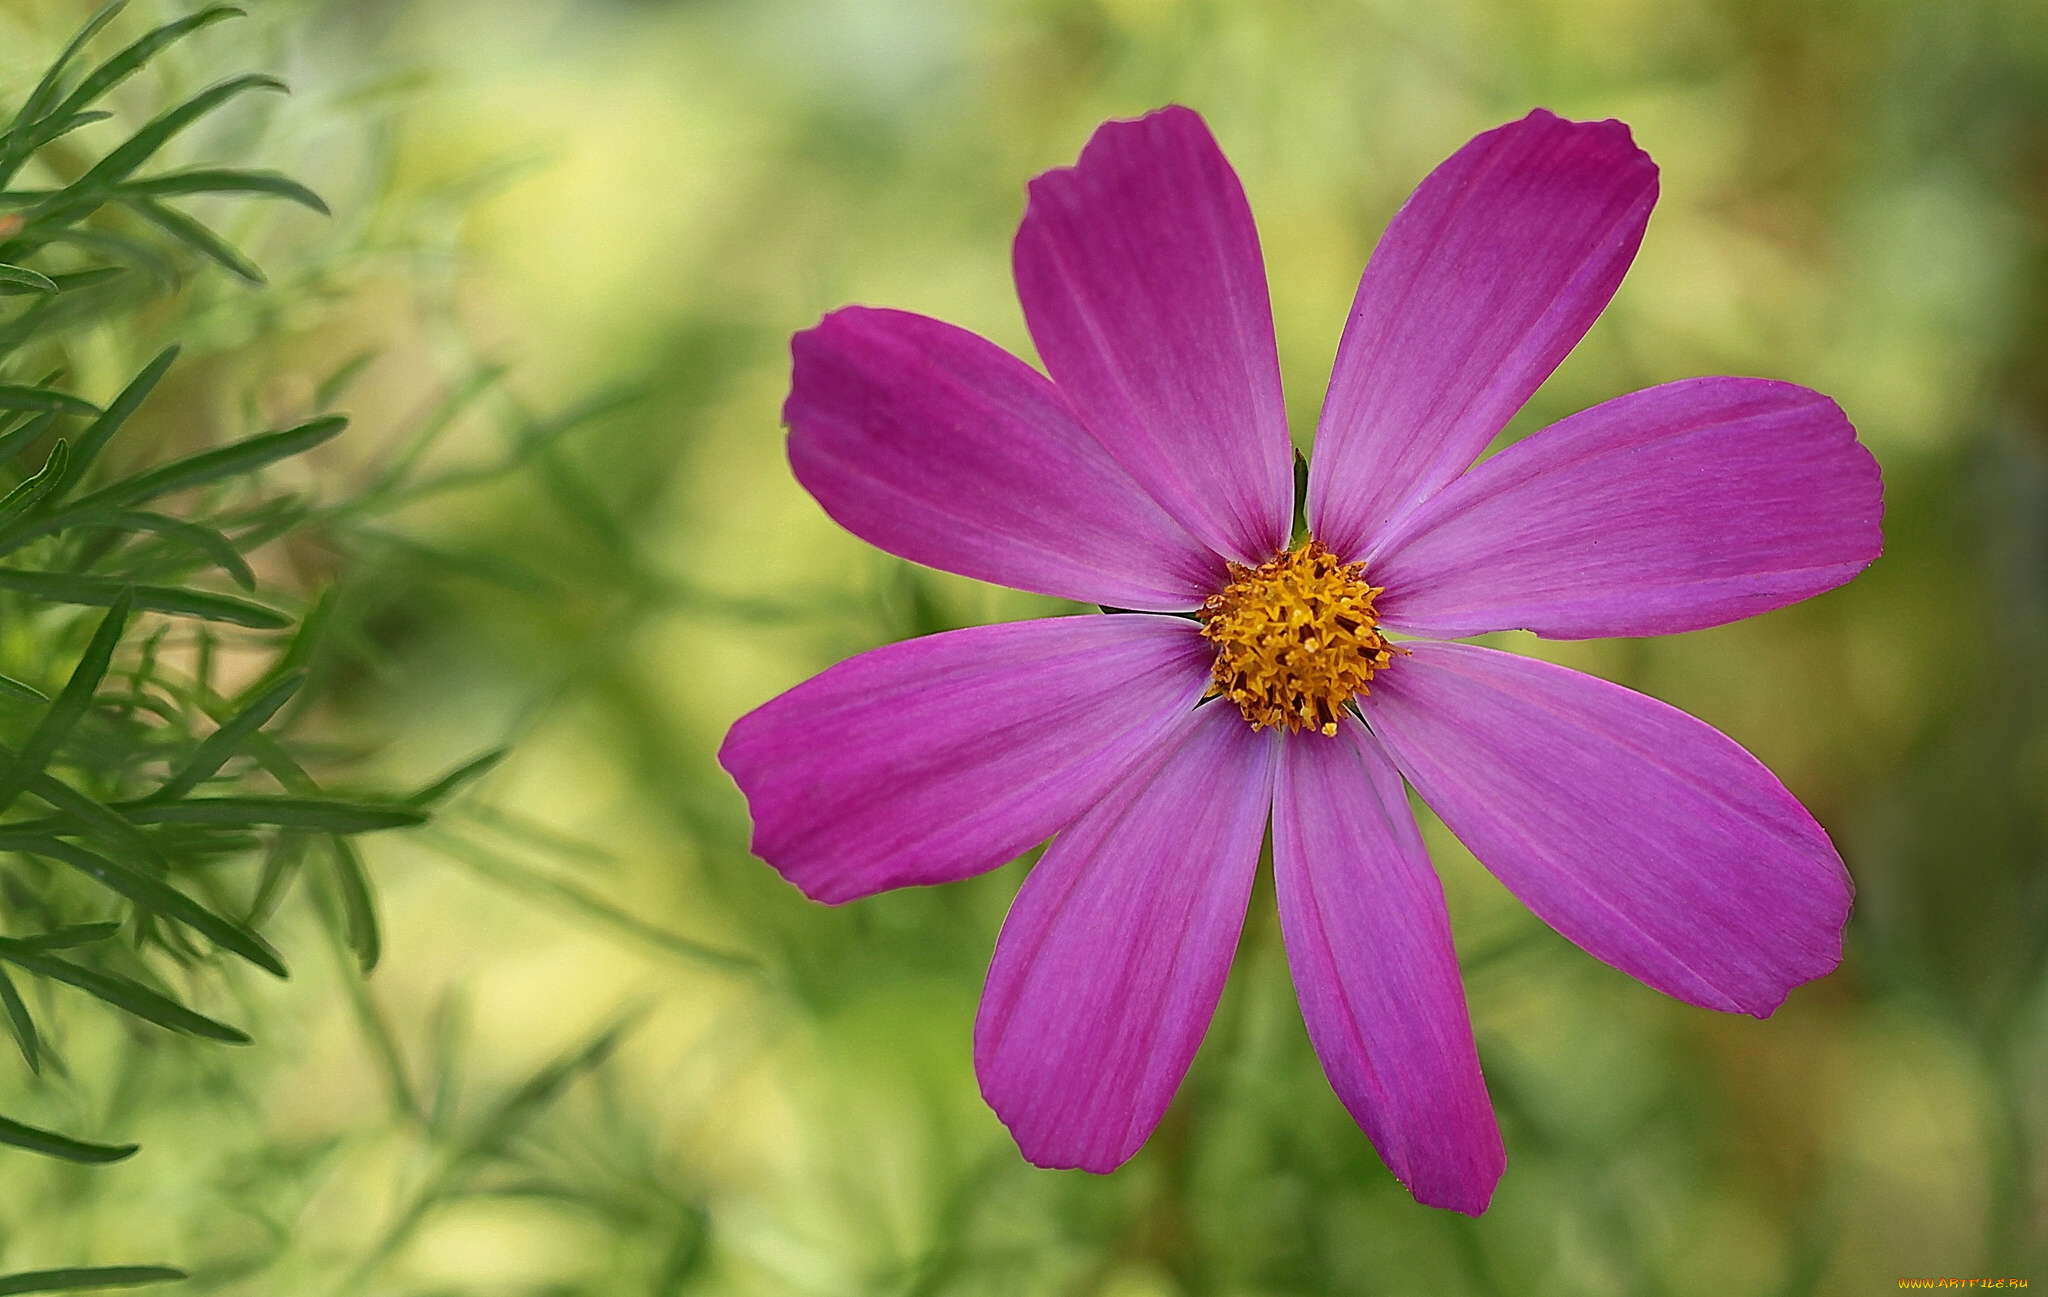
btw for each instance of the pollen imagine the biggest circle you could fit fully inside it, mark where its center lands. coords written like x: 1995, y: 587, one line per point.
x: 1295, y: 639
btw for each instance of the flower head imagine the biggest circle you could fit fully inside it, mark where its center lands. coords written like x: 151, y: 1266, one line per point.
x: 1257, y: 685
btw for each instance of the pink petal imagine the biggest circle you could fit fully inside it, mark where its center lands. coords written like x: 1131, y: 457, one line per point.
x: 943, y: 757
x: 1683, y: 506
x: 1486, y: 278
x: 1140, y: 274
x: 1369, y: 942
x: 1111, y: 962
x: 944, y: 449
x: 1645, y: 836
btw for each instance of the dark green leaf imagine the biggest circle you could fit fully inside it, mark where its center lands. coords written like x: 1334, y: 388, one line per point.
x: 232, y: 460
x: 358, y: 906
x: 96, y: 185
x: 50, y: 1144
x: 71, y: 704
x: 21, y: 1025
x: 227, y: 740
x: 320, y: 814
x: 124, y: 994
x: 444, y: 787
x: 26, y: 496
x: 98, y: 592
x: 154, y: 893
x: 75, y: 1280
x: 21, y: 139
x: 21, y: 277
x: 76, y: 811
x: 95, y: 438
x: 195, y: 236
x: 57, y: 128
x: 271, y: 183
x: 125, y: 64
x: 16, y: 397
x: 76, y: 934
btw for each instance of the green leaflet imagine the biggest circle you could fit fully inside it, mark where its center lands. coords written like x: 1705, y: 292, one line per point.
x: 25, y: 280
x: 80, y: 1278
x: 99, y: 592
x: 64, y: 713
x: 202, y: 181
x: 318, y: 813
x: 227, y: 740
x: 153, y: 893
x: 50, y: 1144
x: 121, y: 992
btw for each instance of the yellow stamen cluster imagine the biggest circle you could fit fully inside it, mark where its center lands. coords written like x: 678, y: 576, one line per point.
x: 1295, y: 639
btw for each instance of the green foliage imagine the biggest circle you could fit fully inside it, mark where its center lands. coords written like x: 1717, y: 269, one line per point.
x: 144, y: 805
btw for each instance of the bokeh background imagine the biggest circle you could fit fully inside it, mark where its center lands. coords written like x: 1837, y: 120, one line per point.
x: 607, y: 1052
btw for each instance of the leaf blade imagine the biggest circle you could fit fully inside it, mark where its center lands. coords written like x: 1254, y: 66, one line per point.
x: 51, y: 1144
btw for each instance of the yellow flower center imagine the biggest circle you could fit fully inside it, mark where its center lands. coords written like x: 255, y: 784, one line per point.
x: 1295, y: 639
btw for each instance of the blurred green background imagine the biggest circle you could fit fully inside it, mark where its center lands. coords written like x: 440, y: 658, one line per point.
x: 609, y: 1053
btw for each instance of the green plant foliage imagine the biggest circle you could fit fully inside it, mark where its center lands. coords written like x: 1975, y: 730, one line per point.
x: 145, y: 809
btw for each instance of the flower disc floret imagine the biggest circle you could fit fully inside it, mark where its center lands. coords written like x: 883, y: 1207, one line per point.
x: 1295, y: 639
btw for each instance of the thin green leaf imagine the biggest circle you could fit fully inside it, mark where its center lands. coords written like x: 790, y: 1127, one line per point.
x: 38, y: 488
x: 322, y: 815
x: 199, y: 181
x: 95, y: 438
x: 129, y: 996
x: 224, y: 742
x: 96, y: 185
x: 76, y: 811
x: 155, y: 894
x: 57, y: 128
x: 26, y: 692
x: 195, y: 236
x: 71, y: 704
x: 50, y: 1144
x: 21, y: 140
x: 98, y: 592
x: 216, y: 547
x: 71, y: 936
x: 21, y: 277
x: 130, y: 60
x: 358, y: 906
x: 21, y: 1025
x: 232, y: 460
x: 77, y: 1279
x: 447, y: 785
x: 14, y: 396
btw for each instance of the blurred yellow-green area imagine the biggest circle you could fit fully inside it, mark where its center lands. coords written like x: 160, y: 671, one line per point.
x: 608, y: 1052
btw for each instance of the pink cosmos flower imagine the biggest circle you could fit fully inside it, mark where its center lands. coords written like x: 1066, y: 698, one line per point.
x: 1152, y: 473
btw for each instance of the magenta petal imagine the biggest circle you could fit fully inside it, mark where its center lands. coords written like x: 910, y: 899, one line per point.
x: 943, y: 757
x: 1112, y: 959
x: 1486, y: 278
x: 1140, y: 274
x: 1650, y: 839
x: 944, y: 449
x: 1369, y: 942
x: 1683, y: 506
